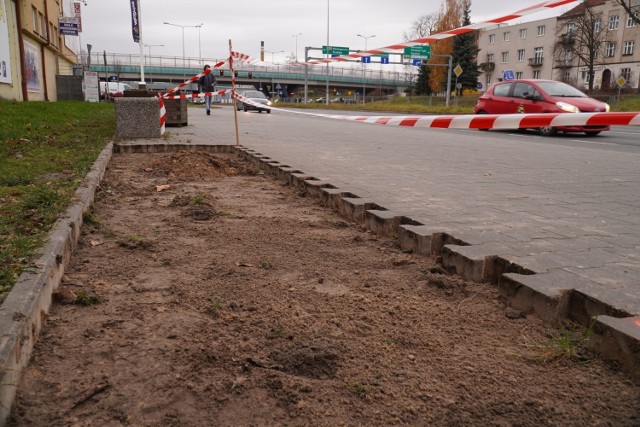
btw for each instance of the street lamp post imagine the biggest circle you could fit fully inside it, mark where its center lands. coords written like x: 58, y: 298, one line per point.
x: 328, y: 56
x: 364, y: 81
x: 149, y: 46
x: 296, y: 36
x: 183, y: 57
x: 199, y: 27
x: 279, y: 51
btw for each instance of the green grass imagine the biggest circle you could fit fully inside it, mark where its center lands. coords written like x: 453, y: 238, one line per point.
x: 627, y: 103
x: 46, y: 150
x: 398, y: 104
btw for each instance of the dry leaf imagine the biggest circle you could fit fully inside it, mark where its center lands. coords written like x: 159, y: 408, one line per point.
x: 96, y: 243
x: 160, y: 188
x: 243, y: 264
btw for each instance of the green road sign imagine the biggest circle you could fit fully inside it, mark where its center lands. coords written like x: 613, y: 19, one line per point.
x: 418, y: 51
x: 335, y: 50
x: 382, y: 55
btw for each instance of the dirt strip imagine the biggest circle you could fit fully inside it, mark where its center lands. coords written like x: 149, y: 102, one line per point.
x: 206, y: 293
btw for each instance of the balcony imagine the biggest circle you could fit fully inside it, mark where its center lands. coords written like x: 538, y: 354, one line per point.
x: 487, y: 66
x: 567, y: 39
x: 564, y: 64
x: 535, y: 61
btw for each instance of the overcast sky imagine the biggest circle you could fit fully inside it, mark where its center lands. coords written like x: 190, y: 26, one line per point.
x: 107, y: 24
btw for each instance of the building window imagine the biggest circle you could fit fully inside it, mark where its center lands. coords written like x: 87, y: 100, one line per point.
x: 505, y: 57
x: 586, y: 77
x: 541, y: 30
x: 571, y: 27
x: 627, y: 49
x: 536, y: 74
x: 519, y: 75
x: 492, y: 38
x: 566, y: 76
x: 43, y: 25
x: 521, y: 55
x: 488, y: 77
x: 630, y: 20
x: 596, y: 26
x: 537, y: 54
x: 614, y: 20
x: 523, y: 33
x: 34, y: 19
x: 626, y: 73
x: 506, y: 36
x: 610, y: 50
x: 490, y: 57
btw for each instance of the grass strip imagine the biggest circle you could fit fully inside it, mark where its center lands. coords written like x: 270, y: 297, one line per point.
x: 46, y: 150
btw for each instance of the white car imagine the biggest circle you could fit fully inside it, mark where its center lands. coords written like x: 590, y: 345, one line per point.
x: 257, y: 97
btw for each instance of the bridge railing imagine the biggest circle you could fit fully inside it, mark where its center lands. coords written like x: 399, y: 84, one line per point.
x: 176, y: 65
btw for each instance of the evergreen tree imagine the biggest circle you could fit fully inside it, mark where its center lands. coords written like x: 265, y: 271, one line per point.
x: 465, y: 51
x: 423, y: 86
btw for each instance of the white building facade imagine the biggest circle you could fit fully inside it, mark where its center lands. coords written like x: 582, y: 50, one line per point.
x: 617, y: 56
x: 525, y: 50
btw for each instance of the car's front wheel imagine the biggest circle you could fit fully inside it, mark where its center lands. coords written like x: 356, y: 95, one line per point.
x: 547, y: 131
x: 244, y: 108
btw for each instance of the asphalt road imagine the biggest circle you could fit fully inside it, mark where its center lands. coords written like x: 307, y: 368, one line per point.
x: 566, y: 207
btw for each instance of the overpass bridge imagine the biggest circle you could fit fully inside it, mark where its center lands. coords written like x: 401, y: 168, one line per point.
x: 284, y: 79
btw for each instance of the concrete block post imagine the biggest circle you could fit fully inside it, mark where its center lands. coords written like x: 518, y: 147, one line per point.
x: 138, y: 118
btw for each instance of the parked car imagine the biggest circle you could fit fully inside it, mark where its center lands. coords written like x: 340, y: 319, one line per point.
x: 540, y: 96
x: 257, y: 97
x: 113, y: 89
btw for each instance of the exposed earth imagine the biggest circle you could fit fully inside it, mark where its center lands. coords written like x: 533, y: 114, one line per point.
x: 204, y: 293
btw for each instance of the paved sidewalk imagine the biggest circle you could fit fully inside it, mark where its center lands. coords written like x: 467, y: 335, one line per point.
x: 570, y: 214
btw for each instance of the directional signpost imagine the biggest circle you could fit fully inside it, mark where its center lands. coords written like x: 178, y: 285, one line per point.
x: 366, y: 59
x: 418, y: 52
x: 335, y: 50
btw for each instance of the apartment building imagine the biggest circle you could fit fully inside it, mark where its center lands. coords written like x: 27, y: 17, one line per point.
x: 616, y: 50
x: 32, y: 52
x: 525, y: 49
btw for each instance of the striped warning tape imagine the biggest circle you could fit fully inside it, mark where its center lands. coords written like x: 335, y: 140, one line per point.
x: 481, y: 121
x: 197, y: 95
x: 193, y: 79
x: 446, y: 34
x: 163, y: 115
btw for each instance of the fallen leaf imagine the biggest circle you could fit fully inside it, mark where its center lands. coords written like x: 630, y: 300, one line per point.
x: 243, y: 264
x: 160, y: 188
x: 96, y: 243
x: 148, y: 170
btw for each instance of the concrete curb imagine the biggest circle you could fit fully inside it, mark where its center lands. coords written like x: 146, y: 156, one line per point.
x: 617, y: 334
x: 26, y: 308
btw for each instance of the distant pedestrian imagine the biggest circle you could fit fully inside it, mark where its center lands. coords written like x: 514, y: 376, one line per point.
x: 207, y: 84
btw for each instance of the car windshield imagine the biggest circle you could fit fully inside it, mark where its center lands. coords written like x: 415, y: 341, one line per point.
x: 253, y: 94
x: 562, y: 90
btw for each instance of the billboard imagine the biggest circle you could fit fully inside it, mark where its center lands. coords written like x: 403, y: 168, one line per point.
x: 5, y: 58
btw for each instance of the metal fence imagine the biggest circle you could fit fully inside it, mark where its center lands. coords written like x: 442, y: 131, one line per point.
x: 336, y: 71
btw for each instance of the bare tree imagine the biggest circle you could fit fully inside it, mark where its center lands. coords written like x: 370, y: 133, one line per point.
x: 582, y: 37
x: 632, y: 7
x: 421, y: 27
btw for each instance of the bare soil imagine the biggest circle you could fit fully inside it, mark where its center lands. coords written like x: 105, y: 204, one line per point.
x: 204, y: 293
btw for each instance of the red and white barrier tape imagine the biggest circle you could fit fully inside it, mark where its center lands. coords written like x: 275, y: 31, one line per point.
x: 194, y: 78
x: 163, y: 115
x: 197, y: 95
x: 481, y: 121
x: 450, y: 33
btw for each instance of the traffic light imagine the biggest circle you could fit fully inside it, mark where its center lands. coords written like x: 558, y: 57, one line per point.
x: 250, y: 74
x: 221, y: 72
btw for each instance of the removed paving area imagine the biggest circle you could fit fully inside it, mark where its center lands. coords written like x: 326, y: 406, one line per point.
x: 204, y: 292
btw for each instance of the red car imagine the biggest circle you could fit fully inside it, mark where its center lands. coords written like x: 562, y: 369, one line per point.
x: 540, y: 96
